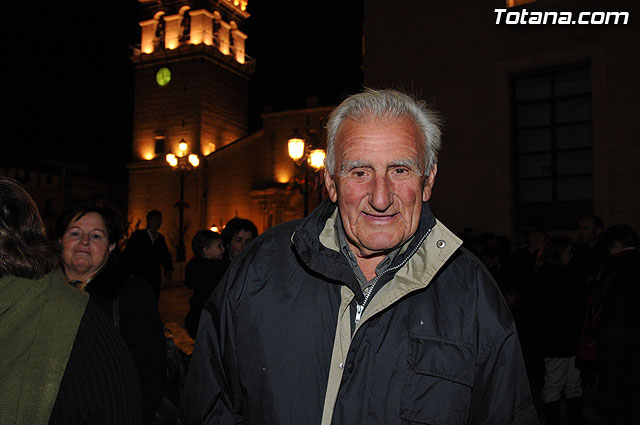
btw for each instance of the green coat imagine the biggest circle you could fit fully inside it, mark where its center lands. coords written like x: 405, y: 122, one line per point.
x: 39, y: 320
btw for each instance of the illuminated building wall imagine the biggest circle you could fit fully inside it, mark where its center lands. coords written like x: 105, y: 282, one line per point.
x: 202, y: 98
x: 191, y: 84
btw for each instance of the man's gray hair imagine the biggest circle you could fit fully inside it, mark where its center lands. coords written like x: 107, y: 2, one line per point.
x: 385, y: 104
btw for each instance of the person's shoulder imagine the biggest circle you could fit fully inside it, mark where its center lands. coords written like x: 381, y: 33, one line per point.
x: 283, y: 230
x: 464, y: 260
x: 136, y: 284
x: 99, y: 362
x: 277, y: 237
x: 471, y: 274
x: 193, y: 263
x: 269, y: 256
x: 138, y: 233
x: 136, y: 238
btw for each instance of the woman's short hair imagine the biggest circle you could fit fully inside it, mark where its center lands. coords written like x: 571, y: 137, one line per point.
x: 112, y: 218
x: 235, y: 225
x: 25, y: 249
x: 385, y: 104
x: 202, y: 239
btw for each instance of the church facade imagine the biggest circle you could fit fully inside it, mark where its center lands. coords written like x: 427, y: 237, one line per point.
x: 191, y: 87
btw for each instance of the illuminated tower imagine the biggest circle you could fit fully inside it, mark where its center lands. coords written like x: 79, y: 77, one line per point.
x: 191, y: 85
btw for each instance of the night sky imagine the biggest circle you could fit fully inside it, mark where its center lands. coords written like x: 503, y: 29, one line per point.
x: 69, y: 80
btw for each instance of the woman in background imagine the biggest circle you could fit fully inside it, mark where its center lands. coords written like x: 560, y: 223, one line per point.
x: 89, y: 235
x: 236, y: 235
x: 61, y: 361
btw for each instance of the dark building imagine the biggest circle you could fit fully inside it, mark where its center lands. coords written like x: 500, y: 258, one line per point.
x: 541, y: 119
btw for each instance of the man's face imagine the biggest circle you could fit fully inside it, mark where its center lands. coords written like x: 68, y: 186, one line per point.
x: 379, y: 183
x: 588, y: 231
x: 154, y: 222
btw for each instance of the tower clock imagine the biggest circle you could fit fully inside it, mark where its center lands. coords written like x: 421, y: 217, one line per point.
x: 191, y: 87
x: 163, y: 76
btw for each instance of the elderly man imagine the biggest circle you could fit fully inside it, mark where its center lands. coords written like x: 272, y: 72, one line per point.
x: 366, y: 312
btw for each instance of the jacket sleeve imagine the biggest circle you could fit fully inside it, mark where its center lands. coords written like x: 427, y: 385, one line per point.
x: 165, y: 256
x: 212, y: 392
x: 501, y: 392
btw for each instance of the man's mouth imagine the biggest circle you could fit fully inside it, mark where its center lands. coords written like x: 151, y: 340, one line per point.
x: 379, y: 218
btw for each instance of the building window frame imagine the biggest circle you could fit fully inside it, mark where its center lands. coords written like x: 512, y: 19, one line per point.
x: 552, y: 142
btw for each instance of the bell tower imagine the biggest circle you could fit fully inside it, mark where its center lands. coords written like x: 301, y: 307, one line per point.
x: 191, y: 86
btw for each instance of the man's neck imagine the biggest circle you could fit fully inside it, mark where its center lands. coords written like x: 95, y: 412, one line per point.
x: 368, y: 264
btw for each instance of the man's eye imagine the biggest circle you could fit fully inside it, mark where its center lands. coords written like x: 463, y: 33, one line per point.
x: 96, y: 237
x: 358, y: 173
x: 401, y: 170
x: 74, y: 234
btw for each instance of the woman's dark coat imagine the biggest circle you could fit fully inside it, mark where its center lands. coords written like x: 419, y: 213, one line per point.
x: 138, y: 321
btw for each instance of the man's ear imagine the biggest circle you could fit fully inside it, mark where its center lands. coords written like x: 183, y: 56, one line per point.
x: 428, y: 184
x: 330, y: 183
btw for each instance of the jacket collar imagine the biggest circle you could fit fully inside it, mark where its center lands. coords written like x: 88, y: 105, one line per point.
x: 316, y: 243
x: 109, y: 281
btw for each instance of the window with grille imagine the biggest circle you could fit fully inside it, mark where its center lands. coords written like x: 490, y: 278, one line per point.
x: 552, y: 144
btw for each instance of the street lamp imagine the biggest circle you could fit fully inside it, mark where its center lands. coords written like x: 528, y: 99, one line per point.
x: 306, y: 153
x: 182, y: 163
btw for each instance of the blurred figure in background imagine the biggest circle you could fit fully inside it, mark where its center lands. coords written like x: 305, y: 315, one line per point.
x: 236, y: 235
x: 146, y: 253
x: 203, y: 273
x: 588, y: 257
x: 89, y: 235
x: 560, y: 313
x: 616, y: 296
x: 61, y: 361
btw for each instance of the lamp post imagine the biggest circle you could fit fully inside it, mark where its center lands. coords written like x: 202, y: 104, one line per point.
x: 306, y: 153
x: 182, y: 163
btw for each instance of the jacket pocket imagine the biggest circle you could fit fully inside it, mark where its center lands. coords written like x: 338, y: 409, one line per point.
x: 439, y: 382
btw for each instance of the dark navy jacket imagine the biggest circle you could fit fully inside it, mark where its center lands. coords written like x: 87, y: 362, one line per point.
x: 436, y: 343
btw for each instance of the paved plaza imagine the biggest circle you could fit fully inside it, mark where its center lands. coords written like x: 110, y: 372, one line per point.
x: 174, y: 305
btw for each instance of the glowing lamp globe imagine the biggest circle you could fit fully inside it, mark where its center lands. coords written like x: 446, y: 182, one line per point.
x: 182, y: 146
x: 171, y: 159
x: 194, y: 160
x: 296, y: 148
x: 316, y: 158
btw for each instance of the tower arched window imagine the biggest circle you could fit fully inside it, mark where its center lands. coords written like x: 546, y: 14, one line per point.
x: 185, y: 32
x: 160, y: 28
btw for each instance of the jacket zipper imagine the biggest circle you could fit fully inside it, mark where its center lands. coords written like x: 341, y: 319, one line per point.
x: 360, y: 307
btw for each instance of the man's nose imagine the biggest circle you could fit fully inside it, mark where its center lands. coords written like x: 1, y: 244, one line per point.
x: 382, y: 193
x: 85, y: 239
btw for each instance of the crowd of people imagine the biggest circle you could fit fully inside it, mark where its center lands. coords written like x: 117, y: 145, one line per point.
x: 368, y: 311
x: 84, y: 342
x: 565, y: 294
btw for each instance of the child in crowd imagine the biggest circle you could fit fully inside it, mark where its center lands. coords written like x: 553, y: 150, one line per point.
x: 203, y: 273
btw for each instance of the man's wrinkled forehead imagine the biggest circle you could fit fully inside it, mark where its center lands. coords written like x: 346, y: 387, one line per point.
x: 411, y: 163
x: 370, y: 119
